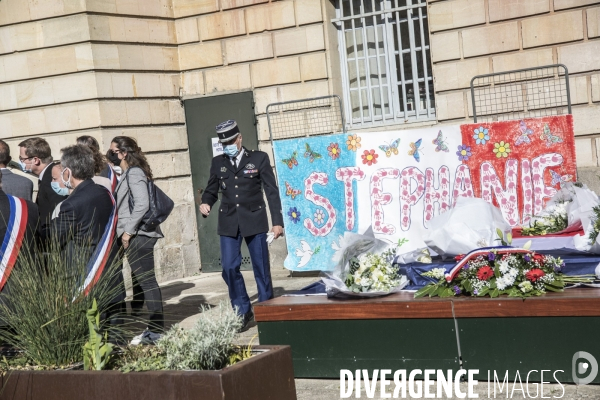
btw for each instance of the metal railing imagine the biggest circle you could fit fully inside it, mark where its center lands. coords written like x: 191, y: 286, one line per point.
x: 306, y: 117
x: 523, y: 93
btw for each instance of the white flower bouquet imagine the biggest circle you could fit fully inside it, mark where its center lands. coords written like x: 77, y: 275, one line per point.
x: 372, y: 273
x: 364, y: 268
x: 553, y: 219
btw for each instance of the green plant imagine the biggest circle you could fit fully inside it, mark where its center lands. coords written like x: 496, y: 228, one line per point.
x: 42, y: 301
x: 207, y: 345
x: 504, y: 240
x: 141, y: 358
x: 242, y: 353
x: 96, y: 352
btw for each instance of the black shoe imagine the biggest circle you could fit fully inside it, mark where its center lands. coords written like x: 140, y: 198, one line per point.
x: 248, y: 317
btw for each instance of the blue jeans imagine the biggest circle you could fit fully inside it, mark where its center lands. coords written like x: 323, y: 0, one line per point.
x: 231, y: 260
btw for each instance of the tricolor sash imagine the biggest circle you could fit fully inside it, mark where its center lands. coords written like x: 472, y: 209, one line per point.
x: 13, y: 239
x: 499, y: 250
x: 99, y: 259
x: 112, y: 176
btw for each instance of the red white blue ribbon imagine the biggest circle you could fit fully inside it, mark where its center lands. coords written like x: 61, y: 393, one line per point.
x: 481, y: 252
x: 13, y: 239
x: 99, y: 259
x: 112, y: 176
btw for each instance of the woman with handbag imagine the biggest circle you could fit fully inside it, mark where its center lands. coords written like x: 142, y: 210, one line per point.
x: 133, y: 203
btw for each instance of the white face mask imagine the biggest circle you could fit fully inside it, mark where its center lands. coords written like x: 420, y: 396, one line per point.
x: 67, y: 182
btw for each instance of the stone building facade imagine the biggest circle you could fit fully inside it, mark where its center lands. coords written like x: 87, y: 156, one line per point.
x: 124, y: 67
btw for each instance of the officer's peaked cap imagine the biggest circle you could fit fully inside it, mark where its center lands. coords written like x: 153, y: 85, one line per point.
x: 227, y: 130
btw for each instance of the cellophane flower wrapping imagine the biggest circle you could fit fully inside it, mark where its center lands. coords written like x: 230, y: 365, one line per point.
x: 569, y: 210
x: 364, y: 268
x: 470, y: 225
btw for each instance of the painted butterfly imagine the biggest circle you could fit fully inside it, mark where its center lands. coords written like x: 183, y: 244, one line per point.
x: 440, y: 143
x: 415, y: 148
x: 390, y: 148
x: 524, y: 135
x: 290, y: 162
x: 557, y: 178
x: 311, y: 155
x: 549, y: 137
x: 291, y: 192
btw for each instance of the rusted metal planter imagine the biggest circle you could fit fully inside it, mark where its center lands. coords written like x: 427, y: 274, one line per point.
x: 266, y: 376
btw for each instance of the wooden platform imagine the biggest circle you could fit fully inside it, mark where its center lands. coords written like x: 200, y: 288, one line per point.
x: 400, y: 332
x: 571, y: 303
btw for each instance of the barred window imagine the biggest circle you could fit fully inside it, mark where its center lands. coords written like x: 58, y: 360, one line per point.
x: 385, y: 60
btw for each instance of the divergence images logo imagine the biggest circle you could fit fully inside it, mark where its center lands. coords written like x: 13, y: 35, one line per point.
x: 580, y: 368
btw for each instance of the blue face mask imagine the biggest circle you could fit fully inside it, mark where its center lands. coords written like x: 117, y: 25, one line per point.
x: 231, y: 150
x: 59, y: 190
x: 24, y: 167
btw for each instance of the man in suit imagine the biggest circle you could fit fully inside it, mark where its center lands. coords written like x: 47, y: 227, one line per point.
x: 18, y: 237
x: 241, y: 176
x: 35, y: 156
x: 86, y: 224
x: 13, y: 184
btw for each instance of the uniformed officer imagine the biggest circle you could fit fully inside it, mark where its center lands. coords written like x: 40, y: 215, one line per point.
x: 241, y: 175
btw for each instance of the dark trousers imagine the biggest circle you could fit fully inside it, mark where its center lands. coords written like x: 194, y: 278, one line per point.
x: 231, y: 260
x: 140, y: 255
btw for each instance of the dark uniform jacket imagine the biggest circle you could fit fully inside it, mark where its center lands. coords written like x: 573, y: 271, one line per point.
x: 80, y: 225
x: 242, y: 205
x: 28, y: 240
x: 47, y: 198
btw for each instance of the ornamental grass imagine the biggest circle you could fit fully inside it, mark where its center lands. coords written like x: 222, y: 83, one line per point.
x: 44, y: 309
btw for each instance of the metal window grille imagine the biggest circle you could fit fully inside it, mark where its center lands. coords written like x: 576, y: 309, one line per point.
x: 523, y: 93
x: 385, y: 60
x: 306, y: 117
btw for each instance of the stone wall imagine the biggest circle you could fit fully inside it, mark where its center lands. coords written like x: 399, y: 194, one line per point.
x: 473, y: 37
x: 102, y: 68
x: 122, y: 67
x: 276, y: 49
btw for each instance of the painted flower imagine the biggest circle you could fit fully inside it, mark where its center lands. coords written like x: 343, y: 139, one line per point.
x: 334, y: 150
x: 502, y: 149
x: 353, y: 142
x: 294, y: 214
x: 482, y: 135
x: 369, y: 157
x: 534, y: 275
x: 485, y: 273
x: 463, y: 153
x: 319, y: 217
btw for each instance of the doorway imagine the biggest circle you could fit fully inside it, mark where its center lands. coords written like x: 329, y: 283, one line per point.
x: 201, y: 117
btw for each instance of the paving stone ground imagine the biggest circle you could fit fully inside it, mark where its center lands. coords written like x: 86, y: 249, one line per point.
x: 183, y: 297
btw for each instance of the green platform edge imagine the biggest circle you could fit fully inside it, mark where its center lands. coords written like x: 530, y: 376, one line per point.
x: 320, y: 349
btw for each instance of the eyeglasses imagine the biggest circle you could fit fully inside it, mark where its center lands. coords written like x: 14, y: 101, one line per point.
x: 24, y: 159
